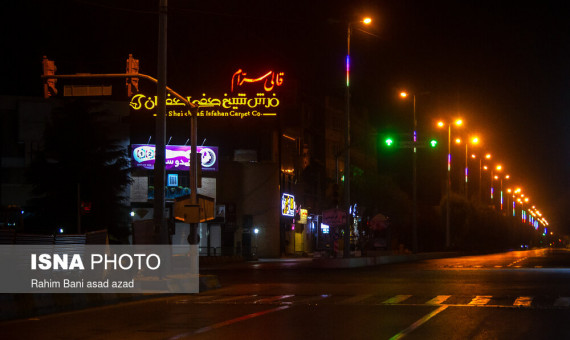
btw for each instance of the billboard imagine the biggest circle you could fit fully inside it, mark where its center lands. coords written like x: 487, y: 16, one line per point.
x: 177, y: 157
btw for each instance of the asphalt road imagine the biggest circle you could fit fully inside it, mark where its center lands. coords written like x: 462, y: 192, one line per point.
x: 513, y: 295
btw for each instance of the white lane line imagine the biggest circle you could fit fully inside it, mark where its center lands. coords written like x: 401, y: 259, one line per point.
x: 355, y: 299
x: 480, y: 300
x: 227, y: 322
x: 396, y: 299
x: 523, y: 301
x: 418, y: 323
x: 562, y: 302
x: 438, y: 300
x: 272, y: 299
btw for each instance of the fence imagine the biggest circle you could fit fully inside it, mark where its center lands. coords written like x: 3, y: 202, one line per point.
x: 95, y: 237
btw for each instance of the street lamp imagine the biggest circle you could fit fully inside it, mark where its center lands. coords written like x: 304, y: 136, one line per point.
x: 346, y: 238
x: 487, y: 156
x: 501, y: 179
x: 474, y: 141
x: 441, y: 124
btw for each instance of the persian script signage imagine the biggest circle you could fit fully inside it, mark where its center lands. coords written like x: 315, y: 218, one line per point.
x: 234, y: 105
x: 177, y: 157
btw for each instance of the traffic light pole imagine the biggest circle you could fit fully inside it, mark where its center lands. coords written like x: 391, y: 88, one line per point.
x: 158, y: 205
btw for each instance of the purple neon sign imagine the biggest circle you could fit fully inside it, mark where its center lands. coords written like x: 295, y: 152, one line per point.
x: 177, y: 157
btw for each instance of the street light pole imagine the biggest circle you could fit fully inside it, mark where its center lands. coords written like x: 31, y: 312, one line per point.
x: 448, y: 187
x: 414, y: 177
x: 346, y: 238
x: 458, y: 122
x: 415, y: 186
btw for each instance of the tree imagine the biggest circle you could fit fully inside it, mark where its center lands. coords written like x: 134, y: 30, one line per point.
x: 82, y: 163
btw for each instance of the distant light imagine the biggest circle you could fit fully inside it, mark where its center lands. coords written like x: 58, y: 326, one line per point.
x: 22, y: 212
x: 433, y: 143
x: 132, y: 214
x: 367, y: 21
x: 389, y: 141
x: 440, y: 124
x: 325, y: 228
x: 473, y: 156
x: 458, y: 140
x: 256, y: 231
x: 499, y: 167
x: 61, y: 230
x: 475, y: 140
x: 403, y: 94
x: 458, y: 122
x: 488, y: 156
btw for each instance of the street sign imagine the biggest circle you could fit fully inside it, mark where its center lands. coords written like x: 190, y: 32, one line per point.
x: 334, y: 217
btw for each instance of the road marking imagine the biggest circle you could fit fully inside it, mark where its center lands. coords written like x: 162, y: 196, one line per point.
x: 517, y: 261
x: 355, y: 299
x: 228, y: 322
x: 232, y: 298
x: 523, y: 301
x: 418, y: 323
x: 562, y: 302
x: 272, y: 299
x: 396, y: 299
x: 480, y: 300
x: 438, y: 300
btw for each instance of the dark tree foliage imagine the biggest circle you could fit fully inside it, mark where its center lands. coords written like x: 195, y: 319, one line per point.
x: 82, y: 163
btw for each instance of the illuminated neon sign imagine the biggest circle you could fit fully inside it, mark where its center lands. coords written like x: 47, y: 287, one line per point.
x: 177, y: 157
x: 269, y: 80
x: 288, y: 205
x: 238, y: 105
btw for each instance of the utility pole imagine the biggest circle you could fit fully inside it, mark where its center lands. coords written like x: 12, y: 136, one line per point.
x: 160, y: 152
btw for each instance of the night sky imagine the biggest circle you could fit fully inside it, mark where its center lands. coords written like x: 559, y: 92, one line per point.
x: 502, y: 66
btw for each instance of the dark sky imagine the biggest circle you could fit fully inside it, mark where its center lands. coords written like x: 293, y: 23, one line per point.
x: 501, y: 65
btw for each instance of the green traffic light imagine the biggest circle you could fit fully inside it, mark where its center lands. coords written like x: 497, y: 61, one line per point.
x: 433, y: 143
x: 389, y: 141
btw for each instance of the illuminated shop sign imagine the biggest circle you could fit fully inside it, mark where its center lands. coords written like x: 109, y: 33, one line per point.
x: 325, y: 228
x: 288, y: 205
x: 303, y: 214
x: 234, y: 105
x: 269, y: 80
x: 177, y: 157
